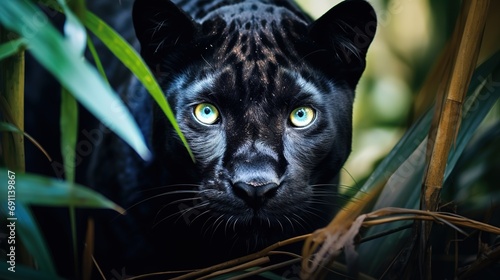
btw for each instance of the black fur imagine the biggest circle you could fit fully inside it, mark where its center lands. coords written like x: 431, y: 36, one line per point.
x: 256, y: 179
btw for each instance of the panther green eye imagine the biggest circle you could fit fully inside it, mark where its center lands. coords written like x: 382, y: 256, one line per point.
x: 206, y: 113
x: 302, y: 116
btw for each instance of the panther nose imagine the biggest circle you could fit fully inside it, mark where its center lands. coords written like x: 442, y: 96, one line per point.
x: 254, y: 194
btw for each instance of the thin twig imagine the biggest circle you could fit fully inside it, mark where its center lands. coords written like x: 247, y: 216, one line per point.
x: 241, y: 260
x: 244, y: 266
x: 450, y: 218
x: 267, y: 268
x: 480, y: 263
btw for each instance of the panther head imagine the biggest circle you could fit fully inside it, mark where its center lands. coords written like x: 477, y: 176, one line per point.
x: 264, y: 98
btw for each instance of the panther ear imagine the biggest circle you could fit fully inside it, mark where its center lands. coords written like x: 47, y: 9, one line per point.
x: 343, y: 35
x: 159, y: 26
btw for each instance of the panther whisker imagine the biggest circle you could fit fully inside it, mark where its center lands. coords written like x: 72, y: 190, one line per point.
x: 313, y: 52
x: 205, y: 228
x: 324, y: 185
x: 171, y: 186
x: 319, y: 202
x: 173, y: 202
x: 234, y: 224
x: 219, y: 221
x: 227, y: 223
x: 350, y: 175
x: 299, y: 217
x: 206, y: 61
x: 325, y: 188
x: 312, y: 213
x: 291, y: 224
x: 185, y: 211
x: 181, y: 192
x: 300, y: 221
x: 281, y: 225
x: 236, y: 240
x: 204, y: 212
x: 181, y: 200
x: 159, y: 195
x: 178, y: 200
x: 325, y: 196
x: 181, y: 213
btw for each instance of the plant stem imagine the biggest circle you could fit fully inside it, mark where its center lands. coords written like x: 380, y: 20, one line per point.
x: 12, y: 101
x: 448, y: 120
x: 12, y: 104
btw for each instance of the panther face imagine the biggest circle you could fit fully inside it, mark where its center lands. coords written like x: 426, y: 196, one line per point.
x: 264, y: 98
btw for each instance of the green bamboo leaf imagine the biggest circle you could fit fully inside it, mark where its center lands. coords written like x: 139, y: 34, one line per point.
x: 25, y: 226
x: 9, y: 127
x: 56, y: 54
x: 23, y: 272
x: 133, y: 61
x: 97, y: 60
x: 4, y: 126
x: 472, y: 184
x: 73, y: 30
x: 47, y: 191
x: 76, y: 36
x: 29, y: 232
x: 10, y: 48
x: 69, y: 126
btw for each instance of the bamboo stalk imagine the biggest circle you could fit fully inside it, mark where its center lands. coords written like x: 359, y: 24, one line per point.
x: 12, y: 99
x: 439, y: 81
x: 449, y: 120
x: 12, y: 104
x: 448, y: 114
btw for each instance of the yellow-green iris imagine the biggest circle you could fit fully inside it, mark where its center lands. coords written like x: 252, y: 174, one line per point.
x: 206, y: 113
x: 302, y: 116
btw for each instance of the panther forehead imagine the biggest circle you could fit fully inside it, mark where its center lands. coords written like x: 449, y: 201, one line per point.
x: 196, y: 86
x: 305, y: 85
x: 251, y: 16
x: 255, y: 44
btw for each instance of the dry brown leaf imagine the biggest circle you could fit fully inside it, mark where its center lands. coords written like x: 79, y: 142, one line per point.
x: 322, y: 247
x: 332, y: 242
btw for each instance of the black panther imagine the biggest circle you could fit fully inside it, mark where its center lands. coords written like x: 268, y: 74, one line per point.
x: 263, y: 95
